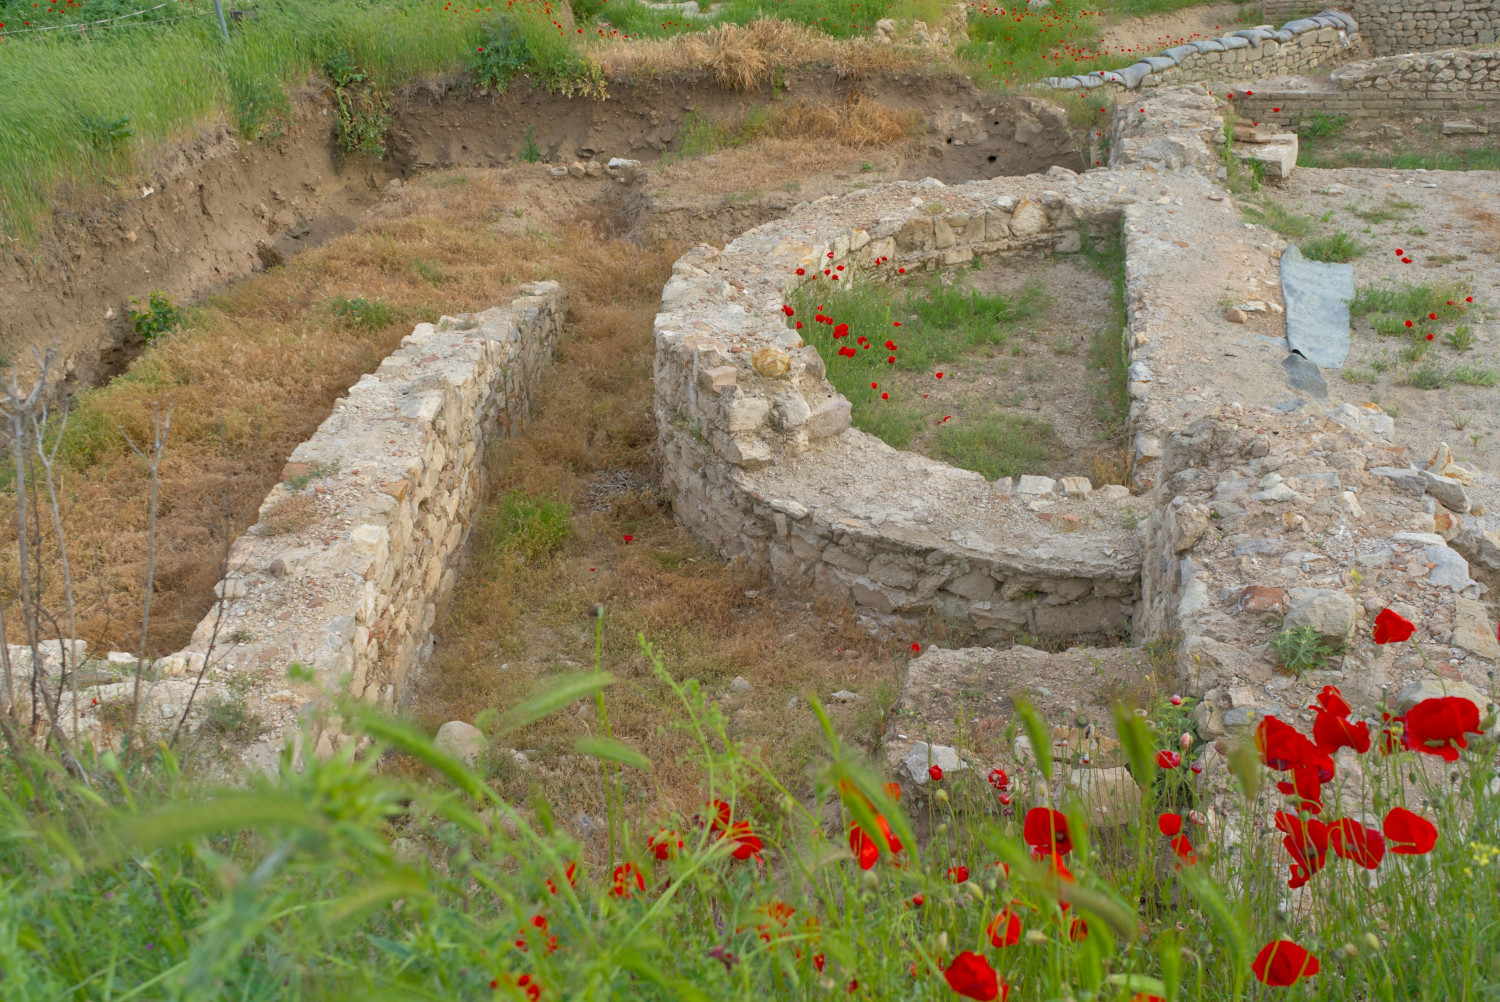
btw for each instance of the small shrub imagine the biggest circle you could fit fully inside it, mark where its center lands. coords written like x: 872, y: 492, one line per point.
x: 231, y: 718
x: 1394, y: 208
x: 1360, y: 376
x: 530, y: 528
x: 106, y: 134
x: 502, y: 53
x: 1338, y: 248
x: 429, y: 272
x: 1416, y: 351
x: 530, y: 151
x: 1412, y: 300
x: 363, y: 118
x: 159, y: 317
x: 1302, y: 649
x: 367, y: 314
x: 1325, y: 126
x: 1471, y: 375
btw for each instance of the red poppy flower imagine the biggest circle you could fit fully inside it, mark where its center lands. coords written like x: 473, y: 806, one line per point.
x: 1282, y: 963
x: 1047, y: 831
x: 570, y: 872
x: 1409, y: 834
x: 1274, y: 110
x: 1332, y: 700
x: 895, y: 323
x: 971, y: 976
x: 890, y: 360
x: 1078, y: 929
x: 530, y: 985
x: 747, y: 844
x: 1408, y: 323
x: 939, y: 375
x: 1399, y: 252
x: 664, y: 844
x: 1430, y: 337
x: 1307, y: 785
x: 1168, y: 759
x: 1169, y: 824
x: 1281, y: 747
x: 842, y: 330
x: 916, y: 647
x: 874, y: 386
x: 885, y: 396
x: 1468, y: 299
x: 799, y: 325
x: 958, y: 874
x: 890, y: 346
x: 1394, y: 736
x: 802, y: 271
x: 788, y: 310
x: 1406, y: 260
x: 1432, y: 316
x: 625, y: 874
x: 1182, y: 848
x: 628, y: 538
x: 1005, y: 929
x: 999, y: 780
x: 935, y: 772
x: 1306, y: 842
x: 1332, y: 732
x: 1392, y: 628
x: 848, y: 352
x: 901, y: 271
x: 1437, y: 726
x: 1357, y: 842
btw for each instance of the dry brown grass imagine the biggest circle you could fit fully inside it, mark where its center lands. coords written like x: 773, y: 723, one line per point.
x: 859, y: 124
x: 290, y: 514
x: 254, y: 373
x: 744, y: 57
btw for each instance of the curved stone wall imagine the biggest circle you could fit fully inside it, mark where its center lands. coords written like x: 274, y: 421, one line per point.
x: 761, y: 462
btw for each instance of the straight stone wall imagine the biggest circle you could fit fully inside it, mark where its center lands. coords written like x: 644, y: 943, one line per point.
x: 1457, y: 83
x: 1325, y: 39
x: 357, y: 547
x: 1395, y: 26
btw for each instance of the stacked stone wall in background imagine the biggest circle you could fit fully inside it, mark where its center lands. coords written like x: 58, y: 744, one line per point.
x: 1397, y: 26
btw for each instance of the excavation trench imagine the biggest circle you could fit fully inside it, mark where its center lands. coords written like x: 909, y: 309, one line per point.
x: 216, y: 208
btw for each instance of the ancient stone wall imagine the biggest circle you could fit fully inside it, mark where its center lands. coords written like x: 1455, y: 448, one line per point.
x: 1326, y: 39
x: 762, y: 465
x: 1394, y: 26
x: 1458, y: 83
x: 358, y: 545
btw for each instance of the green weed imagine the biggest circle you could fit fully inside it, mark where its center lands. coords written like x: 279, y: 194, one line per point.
x: 298, y: 481
x: 159, y: 317
x: 996, y: 444
x: 1360, y: 376
x: 367, y: 314
x: 1338, y: 248
x: 1413, y: 300
x: 1471, y: 375
x: 1279, y: 218
x: 1392, y: 209
x: 1427, y: 377
x: 1460, y: 338
x: 1301, y: 649
x: 529, y: 528
x: 530, y: 152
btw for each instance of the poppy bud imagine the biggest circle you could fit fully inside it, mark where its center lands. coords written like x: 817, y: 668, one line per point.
x: 1373, y: 941
x: 1036, y: 937
x: 788, y: 805
x: 870, y: 879
x: 942, y: 942
x: 941, y: 796
x: 1175, y: 700
x: 1186, y: 741
x: 942, y: 829
x: 1350, y: 950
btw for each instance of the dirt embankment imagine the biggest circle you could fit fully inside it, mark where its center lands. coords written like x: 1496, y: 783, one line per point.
x: 216, y: 208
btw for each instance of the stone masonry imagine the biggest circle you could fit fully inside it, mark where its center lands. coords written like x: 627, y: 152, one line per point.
x: 358, y: 545
x: 1458, y: 84
x: 1299, y: 46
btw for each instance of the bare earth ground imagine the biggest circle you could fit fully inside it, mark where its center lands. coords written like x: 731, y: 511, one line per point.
x: 1451, y: 235
x: 1043, y: 371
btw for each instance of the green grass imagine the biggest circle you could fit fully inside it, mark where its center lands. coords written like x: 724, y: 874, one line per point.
x: 1427, y: 377
x: 153, y: 84
x: 1413, y: 299
x: 1390, y: 210
x: 996, y: 444
x: 366, y: 314
x: 700, y: 135
x: 343, y: 878
x: 1301, y: 650
x: 1471, y: 375
x: 1279, y: 218
x: 1406, y: 158
x: 1014, y: 45
x: 529, y: 528
x: 1337, y: 248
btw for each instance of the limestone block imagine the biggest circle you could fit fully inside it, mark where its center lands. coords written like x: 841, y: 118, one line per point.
x: 977, y: 585
x: 463, y: 741
x: 1332, y: 614
x: 1028, y: 218
x: 922, y: 756
x: 747, y: 413
x: 1203, y: 663
x: 1036, y: 485
x: 829, y: 418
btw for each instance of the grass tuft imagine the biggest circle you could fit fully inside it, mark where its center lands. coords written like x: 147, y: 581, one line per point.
x: 1337, y: 248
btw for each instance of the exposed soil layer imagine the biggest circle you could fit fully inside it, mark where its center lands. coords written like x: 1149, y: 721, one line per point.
x: 215, y: 208
x: 1146, y: 36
